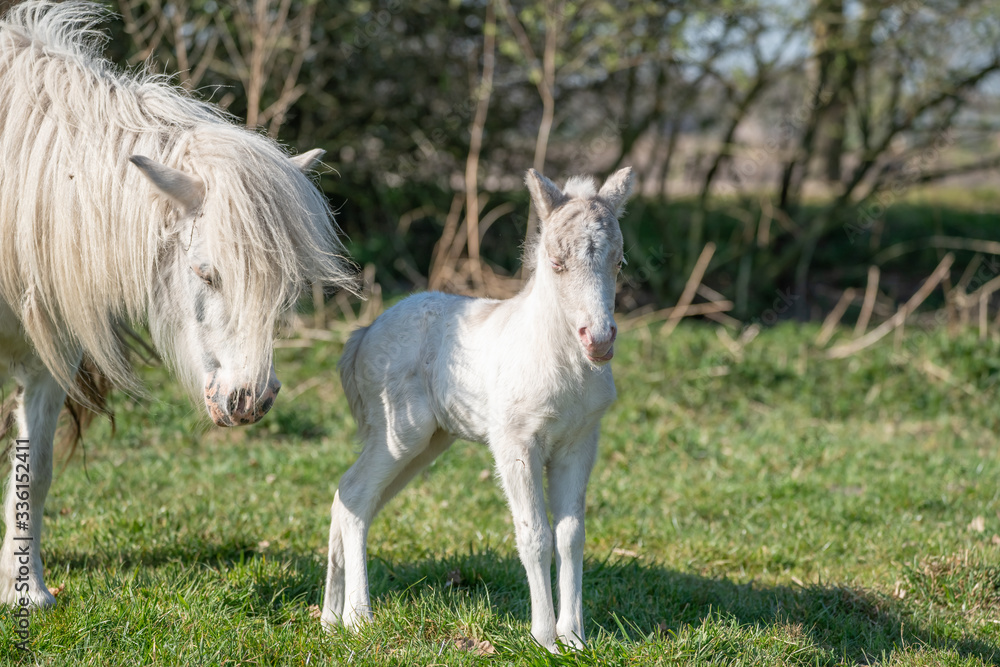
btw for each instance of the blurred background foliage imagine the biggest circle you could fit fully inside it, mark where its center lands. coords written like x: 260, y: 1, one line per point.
x: 793, y: 146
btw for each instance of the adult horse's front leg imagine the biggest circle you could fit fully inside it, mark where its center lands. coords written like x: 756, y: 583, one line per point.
x: 569, y: 472
x: 520, y: 469
x: 31, y: 474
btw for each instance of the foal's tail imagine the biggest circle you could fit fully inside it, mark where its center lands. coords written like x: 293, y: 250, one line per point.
x: 349, y: 380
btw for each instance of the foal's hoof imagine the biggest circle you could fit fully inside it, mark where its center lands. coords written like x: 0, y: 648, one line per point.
x: 329, y: 621
x: 355, y: 618
x: 563, y: 643
x: 570, y: 643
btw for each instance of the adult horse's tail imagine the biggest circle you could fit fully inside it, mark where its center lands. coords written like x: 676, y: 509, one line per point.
x: 89, y: 400
x: 94, y: 392
x: 348, y: 378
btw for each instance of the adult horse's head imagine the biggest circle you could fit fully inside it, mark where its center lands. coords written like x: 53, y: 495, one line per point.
x: 579, y: 252
x: 243, y: 230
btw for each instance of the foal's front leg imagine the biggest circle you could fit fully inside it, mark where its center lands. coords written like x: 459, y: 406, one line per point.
x: 520, y: 469
x: 21, y: 554
x: 569, y: 472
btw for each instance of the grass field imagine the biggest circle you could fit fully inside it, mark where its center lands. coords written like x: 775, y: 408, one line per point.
x: 774, y: 509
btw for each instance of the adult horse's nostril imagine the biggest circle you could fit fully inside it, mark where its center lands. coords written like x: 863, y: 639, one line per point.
x: 273, y: 388
x: 246, y: 406
x: 614, y: 333
x: 239, y: 404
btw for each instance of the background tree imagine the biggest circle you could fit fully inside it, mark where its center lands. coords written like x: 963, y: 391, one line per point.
x: 769, y: 129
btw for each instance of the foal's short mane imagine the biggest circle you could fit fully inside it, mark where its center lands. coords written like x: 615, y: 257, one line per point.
x: 580, y: 187
x: 84, y: 236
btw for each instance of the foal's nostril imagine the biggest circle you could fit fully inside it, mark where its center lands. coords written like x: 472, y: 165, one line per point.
x: 584, y: 335
x: 614, y: 333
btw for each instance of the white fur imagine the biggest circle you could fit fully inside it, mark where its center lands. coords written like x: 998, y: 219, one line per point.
x: 120, y: 198
x: 514, y: 375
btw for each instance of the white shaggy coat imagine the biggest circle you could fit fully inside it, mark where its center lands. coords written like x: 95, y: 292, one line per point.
x: 527, y: 376
x: 123, y: 200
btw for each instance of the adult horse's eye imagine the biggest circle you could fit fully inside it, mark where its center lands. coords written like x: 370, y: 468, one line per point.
x: 206, y: 273
x: 557, y: 266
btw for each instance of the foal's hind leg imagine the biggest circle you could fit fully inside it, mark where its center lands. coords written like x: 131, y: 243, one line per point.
x: 390, y: 458
x: 333, y: 599
x: 333, y: 594
x: 31, y: 474
x: 440, y: 441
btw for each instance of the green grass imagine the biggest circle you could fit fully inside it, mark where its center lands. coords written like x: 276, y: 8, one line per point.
x: 778, y: 509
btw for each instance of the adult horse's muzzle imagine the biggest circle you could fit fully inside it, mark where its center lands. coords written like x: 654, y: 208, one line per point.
x: 239, y: 406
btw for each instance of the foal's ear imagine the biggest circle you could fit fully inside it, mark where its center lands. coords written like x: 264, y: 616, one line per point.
x: 545, y: 195
x: 305, y: 162
x: 186, y: 191
x: 616, y: 189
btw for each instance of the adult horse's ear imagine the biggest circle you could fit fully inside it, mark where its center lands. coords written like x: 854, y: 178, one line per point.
x: 617, y: 189
x: 545, y: 195
x: 305, y: 162
x: 186, y: 191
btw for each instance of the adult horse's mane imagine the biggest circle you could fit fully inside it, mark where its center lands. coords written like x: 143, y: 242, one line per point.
x: 83, y: 233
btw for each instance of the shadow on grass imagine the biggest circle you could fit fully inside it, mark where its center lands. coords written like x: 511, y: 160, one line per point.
x: 627, y: 599
x: 188, y: 551
x: 633, y: 600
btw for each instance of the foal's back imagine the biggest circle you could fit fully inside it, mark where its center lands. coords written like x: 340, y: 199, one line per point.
x: 431, y: 356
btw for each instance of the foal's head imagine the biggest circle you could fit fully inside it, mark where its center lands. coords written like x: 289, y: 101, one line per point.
x: 235, y: 250
x: 580, y: 253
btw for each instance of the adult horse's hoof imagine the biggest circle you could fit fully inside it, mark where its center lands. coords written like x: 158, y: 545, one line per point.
x: 36, y: 597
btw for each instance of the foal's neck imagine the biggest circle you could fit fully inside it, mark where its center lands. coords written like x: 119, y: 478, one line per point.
x: 542, y: 320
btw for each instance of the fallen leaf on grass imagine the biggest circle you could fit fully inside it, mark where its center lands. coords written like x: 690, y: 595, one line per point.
x: 899, y: 592
x: 996, y: 540
x: 57, y: 590
x: 315, y: 611
x: 977, y: 525
x: 618, y: 551
x: 454, y: 579
x: 471, y: 645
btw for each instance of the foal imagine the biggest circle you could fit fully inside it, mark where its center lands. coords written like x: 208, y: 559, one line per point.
x: 528, y: 376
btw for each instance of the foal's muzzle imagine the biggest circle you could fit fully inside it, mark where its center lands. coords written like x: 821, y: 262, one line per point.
x: 239, y: 406
x: 598, y: 346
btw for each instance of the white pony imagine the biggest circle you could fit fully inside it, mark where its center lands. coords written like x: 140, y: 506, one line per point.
x: 527, y: 376
x: 124, y: 200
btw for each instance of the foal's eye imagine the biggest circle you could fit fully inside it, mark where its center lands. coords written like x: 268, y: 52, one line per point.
x: 206, y: 273
x: 557, y: 266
